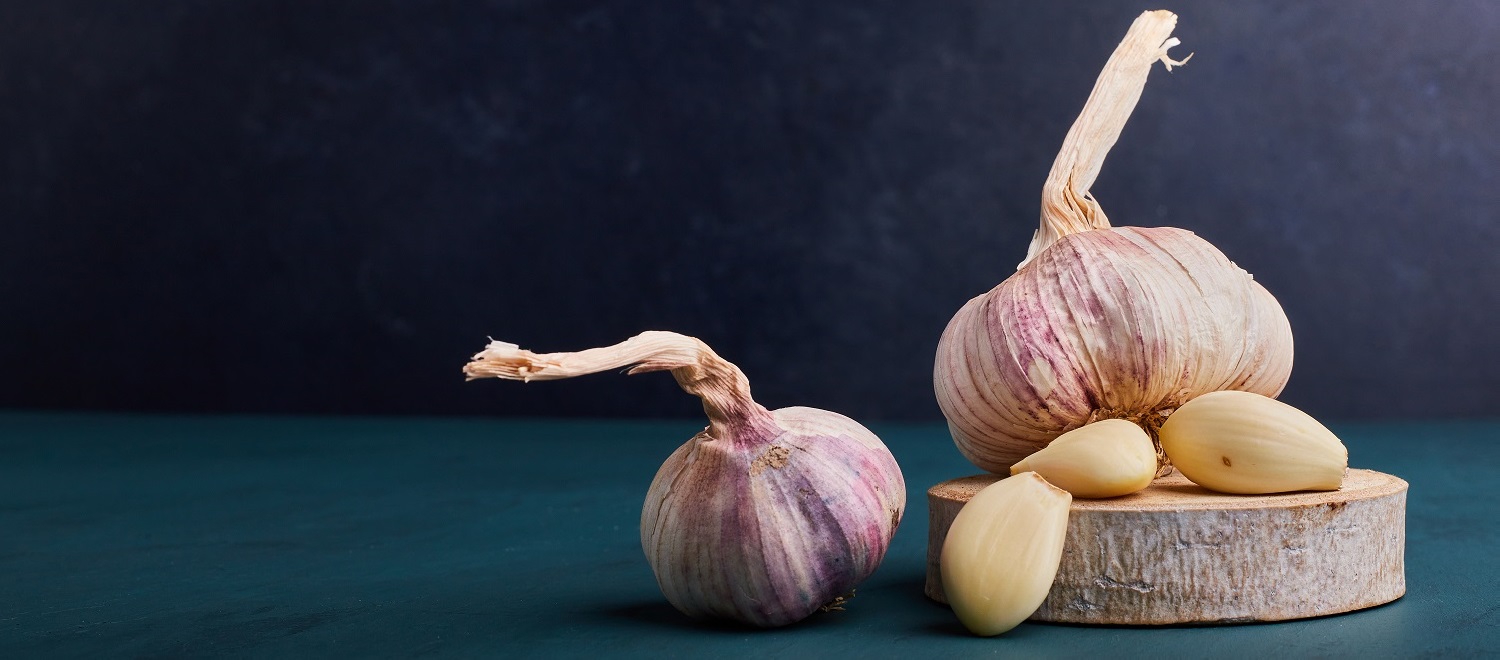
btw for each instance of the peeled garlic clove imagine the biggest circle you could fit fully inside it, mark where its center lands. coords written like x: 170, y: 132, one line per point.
x: 1107, y: 458
x: 763, y: 517
x: 1244, y: 443
x: 1002, y: 552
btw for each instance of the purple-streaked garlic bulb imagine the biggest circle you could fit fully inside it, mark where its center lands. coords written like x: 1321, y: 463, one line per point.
x: 1104, y: 322
x: 763, y: 517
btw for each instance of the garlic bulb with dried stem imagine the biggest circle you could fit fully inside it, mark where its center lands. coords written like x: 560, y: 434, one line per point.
x: 1104, y: 322
x: 763, y: 517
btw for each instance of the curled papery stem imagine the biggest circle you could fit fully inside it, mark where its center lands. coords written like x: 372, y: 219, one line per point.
x: 722, y: 386
x: 1067, y: 206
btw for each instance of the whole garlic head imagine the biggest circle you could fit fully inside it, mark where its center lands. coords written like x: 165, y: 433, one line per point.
x: 1100, y: 321
x: 1120, y: 322
x: 763, y: 517
x: 774, y: 522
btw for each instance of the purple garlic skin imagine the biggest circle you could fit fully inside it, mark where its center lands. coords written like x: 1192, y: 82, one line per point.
x: 763, y: 517
x: 788, y: 512
x: 1119, y: 322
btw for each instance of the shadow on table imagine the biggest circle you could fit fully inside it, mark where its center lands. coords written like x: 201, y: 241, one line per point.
x: 661, y: 614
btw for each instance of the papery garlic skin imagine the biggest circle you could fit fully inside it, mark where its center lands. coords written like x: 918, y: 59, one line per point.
x: 1002, y: 552
x: 1108, y: 458
x: 769, y: 525
x: 1123, y: 322
x: 1247, y: 444
x: 1100, y: 321
x: 763, y: 517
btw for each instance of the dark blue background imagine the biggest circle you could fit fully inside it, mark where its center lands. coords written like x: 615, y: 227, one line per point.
x: 327, y: 206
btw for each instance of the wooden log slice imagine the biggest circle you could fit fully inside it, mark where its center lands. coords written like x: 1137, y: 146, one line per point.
x: 1177, y: 553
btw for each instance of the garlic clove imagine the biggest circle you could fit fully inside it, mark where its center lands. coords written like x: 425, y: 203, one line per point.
x: 1248, y: 444
x: 1002, y: 552
x: 1107, y: 458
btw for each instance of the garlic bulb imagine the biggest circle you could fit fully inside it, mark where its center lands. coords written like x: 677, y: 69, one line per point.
x: 764, y: 516
x: 1103, y: 322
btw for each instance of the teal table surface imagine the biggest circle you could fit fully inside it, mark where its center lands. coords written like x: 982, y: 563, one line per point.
x: 142, y: 536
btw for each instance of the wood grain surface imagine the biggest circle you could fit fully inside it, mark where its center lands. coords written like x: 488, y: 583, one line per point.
x: 1178, y: 553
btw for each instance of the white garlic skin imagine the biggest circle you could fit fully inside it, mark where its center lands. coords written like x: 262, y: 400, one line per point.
x: 1113, y: 322
x: 766, y: 526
